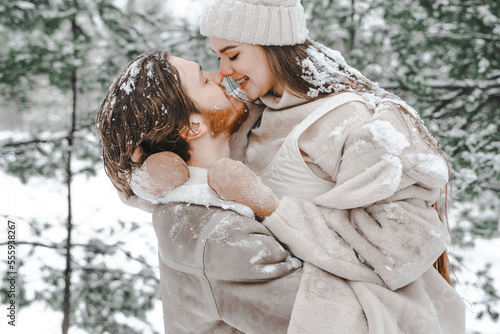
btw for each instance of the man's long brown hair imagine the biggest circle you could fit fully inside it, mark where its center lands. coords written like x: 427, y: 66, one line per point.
x: 145, y: 106
x: 286, y: 63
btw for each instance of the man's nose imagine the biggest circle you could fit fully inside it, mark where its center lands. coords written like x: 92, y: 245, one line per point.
x: 214, y: 77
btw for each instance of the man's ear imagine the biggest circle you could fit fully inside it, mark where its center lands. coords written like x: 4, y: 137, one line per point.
x: 138, y: 154
x: 197, y: 128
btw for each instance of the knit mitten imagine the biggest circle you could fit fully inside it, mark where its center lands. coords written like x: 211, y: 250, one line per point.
x: 161, y: 172
x: 233, y: 181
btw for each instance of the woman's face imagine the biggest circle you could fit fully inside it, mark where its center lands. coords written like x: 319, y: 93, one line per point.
x: 247, y: 65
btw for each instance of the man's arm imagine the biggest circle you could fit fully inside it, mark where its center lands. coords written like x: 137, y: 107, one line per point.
x: 253, y: 278
x: 136, y: 202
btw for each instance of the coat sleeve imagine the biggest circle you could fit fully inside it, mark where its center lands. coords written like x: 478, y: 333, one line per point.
x: 377, y: 223
x: 254, y: 280
x: 136, y: 202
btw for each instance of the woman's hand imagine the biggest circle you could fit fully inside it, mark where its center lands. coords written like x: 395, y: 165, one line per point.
x: 233, y: 181
x: 161, y: 172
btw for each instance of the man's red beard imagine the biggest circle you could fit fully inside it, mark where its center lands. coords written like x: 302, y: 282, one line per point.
x: 226, y: 121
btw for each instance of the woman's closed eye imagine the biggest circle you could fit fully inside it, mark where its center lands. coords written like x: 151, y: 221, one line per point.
x: 234, y: 57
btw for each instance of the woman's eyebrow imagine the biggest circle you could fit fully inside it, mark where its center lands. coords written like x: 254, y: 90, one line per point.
x: 224, y: 49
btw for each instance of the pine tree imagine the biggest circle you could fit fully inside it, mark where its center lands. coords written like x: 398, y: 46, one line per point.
x: 441, y: 56
x: 71, y: 49
x: 356, y: 29
x: 448, y: 64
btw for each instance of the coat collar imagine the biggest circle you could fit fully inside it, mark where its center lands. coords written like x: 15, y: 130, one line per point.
x: 286, y: 101
x: 197, y: 191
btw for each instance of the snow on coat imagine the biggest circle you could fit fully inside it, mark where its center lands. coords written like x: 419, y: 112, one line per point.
x: 375, y: 231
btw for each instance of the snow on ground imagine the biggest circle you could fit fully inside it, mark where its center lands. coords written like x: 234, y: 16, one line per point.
x: 96, y: 204
x: 485, y: 251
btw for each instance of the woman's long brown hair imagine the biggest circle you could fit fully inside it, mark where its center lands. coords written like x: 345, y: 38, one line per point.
x: 287, y: 64
x: 442, y: 264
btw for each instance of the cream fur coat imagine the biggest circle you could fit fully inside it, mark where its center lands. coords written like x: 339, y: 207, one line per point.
x: 370, y: 242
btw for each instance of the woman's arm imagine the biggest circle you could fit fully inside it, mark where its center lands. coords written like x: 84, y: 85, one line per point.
x: 377, y: 223
x: 379, y: 214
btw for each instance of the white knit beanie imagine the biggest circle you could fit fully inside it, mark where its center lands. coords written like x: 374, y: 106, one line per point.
x: 262, y: 22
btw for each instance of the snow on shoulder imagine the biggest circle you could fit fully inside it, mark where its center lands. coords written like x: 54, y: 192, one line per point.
x: 327, y: 72
x: 194, y: 191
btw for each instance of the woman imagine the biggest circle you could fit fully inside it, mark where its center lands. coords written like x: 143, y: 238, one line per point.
x: 358, y: 174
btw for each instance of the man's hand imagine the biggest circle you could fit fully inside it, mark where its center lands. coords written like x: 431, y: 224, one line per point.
x: 233, y: 181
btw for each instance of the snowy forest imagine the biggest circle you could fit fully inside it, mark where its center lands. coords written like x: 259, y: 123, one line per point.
x: 86, y: 263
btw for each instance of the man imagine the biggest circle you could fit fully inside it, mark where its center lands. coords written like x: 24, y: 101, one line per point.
x: 221, y: 270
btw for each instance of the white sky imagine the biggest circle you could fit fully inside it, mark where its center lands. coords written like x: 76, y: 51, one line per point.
x: 186, y: 8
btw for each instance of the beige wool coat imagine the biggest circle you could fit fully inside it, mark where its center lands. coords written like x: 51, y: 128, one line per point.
x: 370, y: 242
x: 221, y: 270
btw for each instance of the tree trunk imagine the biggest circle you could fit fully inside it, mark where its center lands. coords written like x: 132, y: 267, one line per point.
x: 352, y: 28
x: 69, y: 224
x: 66, y: 306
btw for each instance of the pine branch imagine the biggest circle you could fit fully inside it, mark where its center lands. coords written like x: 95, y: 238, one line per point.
x: 89, y: 127
x: 467, y: 83
x: 29, y: 142
x: 493, y: 82
x: 464, y: 37
x: 31, y: 243
x: 130, y: 256
x: 84, y: 170
x: 493, y: 187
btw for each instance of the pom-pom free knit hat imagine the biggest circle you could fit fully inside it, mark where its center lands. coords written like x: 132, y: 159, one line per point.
x: 262, y: 22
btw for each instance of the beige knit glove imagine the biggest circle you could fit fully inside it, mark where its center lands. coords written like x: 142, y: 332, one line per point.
x: 160, y: 173
x: 233, y: 181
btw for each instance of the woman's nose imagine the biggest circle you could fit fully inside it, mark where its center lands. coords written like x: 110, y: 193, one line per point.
x: 225, y: 69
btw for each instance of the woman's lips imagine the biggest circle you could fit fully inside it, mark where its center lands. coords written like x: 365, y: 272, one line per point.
x: 241, y: 81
